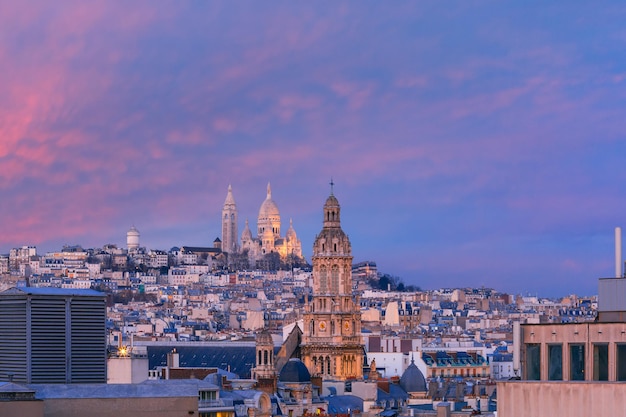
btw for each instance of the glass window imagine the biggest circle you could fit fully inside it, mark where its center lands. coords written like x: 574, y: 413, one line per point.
x: 600, y: 362
x: 621, y: 362
x: 577, y: 362
x: 555, y: 362
x: 533, y: 361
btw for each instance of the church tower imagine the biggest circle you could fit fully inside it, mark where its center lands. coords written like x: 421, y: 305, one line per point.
x: 229, y: 224
x: 265, y: 369
x: 332, y: 346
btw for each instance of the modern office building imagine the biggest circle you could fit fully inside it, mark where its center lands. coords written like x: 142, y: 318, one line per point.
x: 576, y: 369
x: 52, y: 335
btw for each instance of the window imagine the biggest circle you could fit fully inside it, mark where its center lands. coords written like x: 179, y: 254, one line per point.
x: 555, y: 362
x: 334, y: 279
x: 577, y: 362
x: 621, y: 362
x: 600, y: 362
x: 533, y: 361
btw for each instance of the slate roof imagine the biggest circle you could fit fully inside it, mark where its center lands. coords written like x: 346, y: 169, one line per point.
x: 294, y: 371
x: 343, y: 404
x: 240, y: 358
x: 395, y: 393
x: 413, y: 380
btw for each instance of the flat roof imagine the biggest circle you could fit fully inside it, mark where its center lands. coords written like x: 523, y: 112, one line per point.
x: 52, y: 291
x: 164, y: 388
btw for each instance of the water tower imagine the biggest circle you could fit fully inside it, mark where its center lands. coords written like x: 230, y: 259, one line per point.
x: 132, y: 239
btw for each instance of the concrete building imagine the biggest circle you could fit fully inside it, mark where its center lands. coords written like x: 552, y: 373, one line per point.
x: 129, y: 365
x: 20, y: 256
x: 575, y: 369
x: 52, y: 335
x: 18, y: 400
x: 163, y: 398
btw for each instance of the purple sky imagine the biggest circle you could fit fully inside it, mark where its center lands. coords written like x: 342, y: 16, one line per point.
x: 471, y: 143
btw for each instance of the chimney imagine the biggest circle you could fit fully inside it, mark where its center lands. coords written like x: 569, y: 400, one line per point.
x: 618, y: 252
x: 173, y: 359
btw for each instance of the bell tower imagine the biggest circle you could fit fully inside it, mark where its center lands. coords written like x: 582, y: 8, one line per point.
x: 229, y: 223
x: 265, y: 369
x: 332, y: 346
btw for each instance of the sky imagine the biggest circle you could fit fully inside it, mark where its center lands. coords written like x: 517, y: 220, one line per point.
x: 471, y: 143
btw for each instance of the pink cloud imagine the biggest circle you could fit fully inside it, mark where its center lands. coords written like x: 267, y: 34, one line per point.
x: 412, y: 81
x: 357, y: 94
x: 224, y: 125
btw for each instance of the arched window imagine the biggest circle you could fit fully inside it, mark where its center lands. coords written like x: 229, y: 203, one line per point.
x: 323, y: 279
x: 334, y: 279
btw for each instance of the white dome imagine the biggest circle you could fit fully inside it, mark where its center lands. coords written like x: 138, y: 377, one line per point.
x: 291, y: 232
x: 269, y: 216
x: 247, y: 234
x: 269, y: 209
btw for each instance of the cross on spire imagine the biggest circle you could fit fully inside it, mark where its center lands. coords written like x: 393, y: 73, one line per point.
x: 332, y: 184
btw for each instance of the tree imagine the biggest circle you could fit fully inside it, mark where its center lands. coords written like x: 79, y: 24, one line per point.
x: 239, y: 261
x: 272, y: 261
x: 384, y: 282
x: 293, y: 261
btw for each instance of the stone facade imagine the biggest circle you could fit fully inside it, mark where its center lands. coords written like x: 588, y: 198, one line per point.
x: 264, y: 371
x: 332, y: 346
x: 229, y: 224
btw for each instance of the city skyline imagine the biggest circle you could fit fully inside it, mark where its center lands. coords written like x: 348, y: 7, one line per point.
x: 471, y: 145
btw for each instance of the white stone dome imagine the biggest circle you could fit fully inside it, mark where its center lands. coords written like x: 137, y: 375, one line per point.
x: 291, y: 232
x: 269, y: 209
x: 269, y: 216
x: 247, y: 234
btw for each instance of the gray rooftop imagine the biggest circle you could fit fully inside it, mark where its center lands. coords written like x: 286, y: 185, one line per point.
x: 163, y: 388
x: 52, y: 291
x: 13, y: 387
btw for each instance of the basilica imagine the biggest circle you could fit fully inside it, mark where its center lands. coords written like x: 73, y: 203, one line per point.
x: 268, y: 238
x: 330, y: 346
